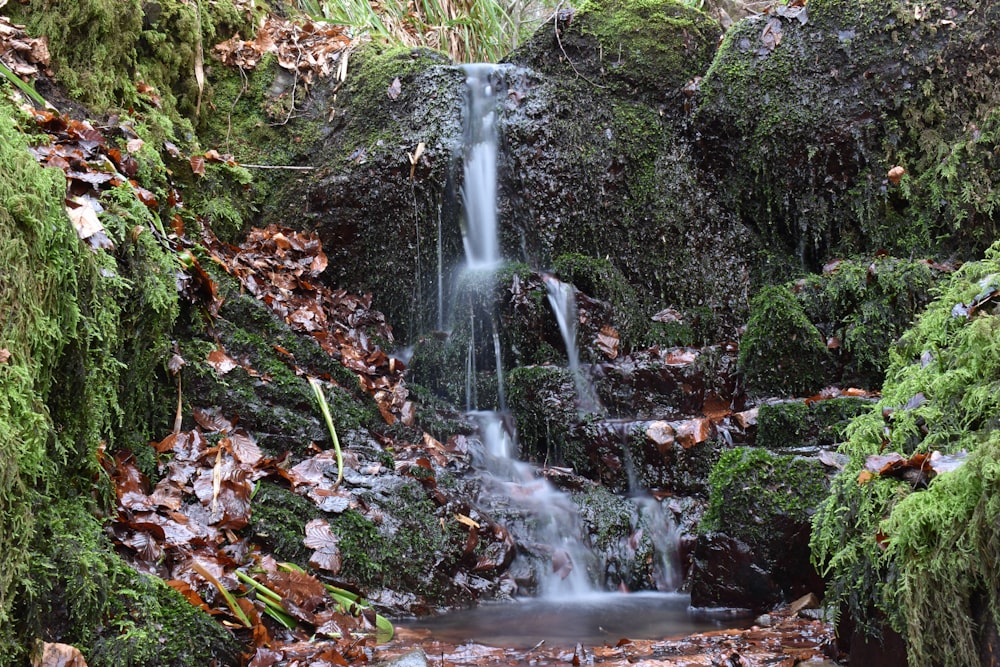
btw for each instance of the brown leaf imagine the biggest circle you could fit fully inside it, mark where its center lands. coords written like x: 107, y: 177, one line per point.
x: 58, y: 655
x: 319, y: 537
x: 607, y: 341
x: 395, y: 88
x: 197, y: 164
x: 220, y: 361
x: 693, y: 432
x: 211, y: 420
x: 4, y: 355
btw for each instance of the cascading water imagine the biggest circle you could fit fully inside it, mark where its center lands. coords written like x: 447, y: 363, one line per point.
x: 479, y: 190
x: 553, y: 558
x: 555, y: 524
x: 562, y: 298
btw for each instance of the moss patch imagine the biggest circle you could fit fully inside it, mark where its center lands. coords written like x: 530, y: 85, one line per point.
x: 797, y: 424
x: 919, y: 558
x: 754, y: 494
x: 781, y: 352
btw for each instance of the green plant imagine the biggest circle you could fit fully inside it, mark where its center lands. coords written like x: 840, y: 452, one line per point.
x: 467, y: 30
x: 325, y: 409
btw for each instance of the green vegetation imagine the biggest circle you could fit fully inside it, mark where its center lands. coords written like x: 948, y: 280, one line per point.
x: 866, y: 305
x: 920, y: 559
x: 754, y: 495
x: 793, y: 424
x: 782, y: 352
x: 74, y: 383
x: 481, y: 31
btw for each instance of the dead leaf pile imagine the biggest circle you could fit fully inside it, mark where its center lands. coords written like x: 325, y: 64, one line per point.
x: 25, y: 56
x: 281, y: 268
x: 311, y: 49
x: 92, y: 165
x: 184, y: 530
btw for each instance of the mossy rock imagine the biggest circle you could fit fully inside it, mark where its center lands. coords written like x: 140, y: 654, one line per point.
x: 765, y: 502
x: 541, y: 399
x: 100, y: 49
x: 87, y: 332
x: 919, y: 557
x: 642, y: 48
x: 804, y: 112
x: 864, y: 306
x: 805, y: 426
x: 781, y: 351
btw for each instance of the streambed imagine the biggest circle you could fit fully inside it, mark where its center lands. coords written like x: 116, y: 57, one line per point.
x: 596, y: 618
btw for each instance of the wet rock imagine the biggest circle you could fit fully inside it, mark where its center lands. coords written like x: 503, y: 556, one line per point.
x: 765, y: 503
x: 806, y: 427
x: 414, y: 658
x: 728, y: 574
x: 802, y: 131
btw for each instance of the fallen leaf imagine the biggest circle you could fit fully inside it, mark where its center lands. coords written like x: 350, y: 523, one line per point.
x: 84, y: 217
x: 58, y: 655
x: 319, y: 537
x: 896, y: 174
x: 220, y: 361
x: 197, y: 164
x: 395, y: 88
x: 4, y: 355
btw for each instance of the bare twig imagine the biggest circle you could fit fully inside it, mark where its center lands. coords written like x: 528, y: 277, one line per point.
x: 287, y: 167
x: 555, y: 29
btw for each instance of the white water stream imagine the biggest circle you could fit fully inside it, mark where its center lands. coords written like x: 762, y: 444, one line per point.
x: 553, y: 532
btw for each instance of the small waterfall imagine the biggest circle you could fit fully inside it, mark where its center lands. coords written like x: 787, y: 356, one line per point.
x: 552, y: 524
x: 552, y: 519
x: 562, y: 298
x: 479, y: 190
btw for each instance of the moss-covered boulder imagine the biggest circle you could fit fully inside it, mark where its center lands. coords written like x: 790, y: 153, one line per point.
x: 753, y: 547
x: 782, y: 352
x: 914, y: 553
x: 862, y: 306
x: 806, y: 426
x: 83, y: 338
x: 648, y: 49
x: 807, y: 112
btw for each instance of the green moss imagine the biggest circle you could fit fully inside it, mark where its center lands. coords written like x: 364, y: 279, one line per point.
x: 920, y: 558
x: 86, y: 596
x: 650, y: 43
x: 93, y: 44
x: 795, y: 424
x: 278, y: 522
x: 813, y: 125
x: 781, y: 352
x: 540, y: 397
x: 38, y: 286
x: 752, y: 490
x: 866, y: 305
x: 76, y: 381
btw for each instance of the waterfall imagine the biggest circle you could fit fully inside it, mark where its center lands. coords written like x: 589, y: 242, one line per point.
x: 562, y: 298
x: 551, y: 518
x: 479, y: 190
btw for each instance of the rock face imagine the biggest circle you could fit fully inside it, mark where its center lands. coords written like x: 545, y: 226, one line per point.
x: 754, y: 548
x: 806, y: 111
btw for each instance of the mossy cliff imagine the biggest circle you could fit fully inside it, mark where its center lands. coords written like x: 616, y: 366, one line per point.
x: 917, y: 552
x: 805, y: 111
x: 75, y: 383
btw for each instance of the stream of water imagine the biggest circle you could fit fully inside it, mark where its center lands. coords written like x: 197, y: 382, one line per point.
x: 567, y: 578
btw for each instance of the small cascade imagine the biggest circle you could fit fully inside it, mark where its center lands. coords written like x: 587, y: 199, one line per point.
x: 479, y: 190
x: 552, y: 527
x: 550, y: 518
x: 562, y: 298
